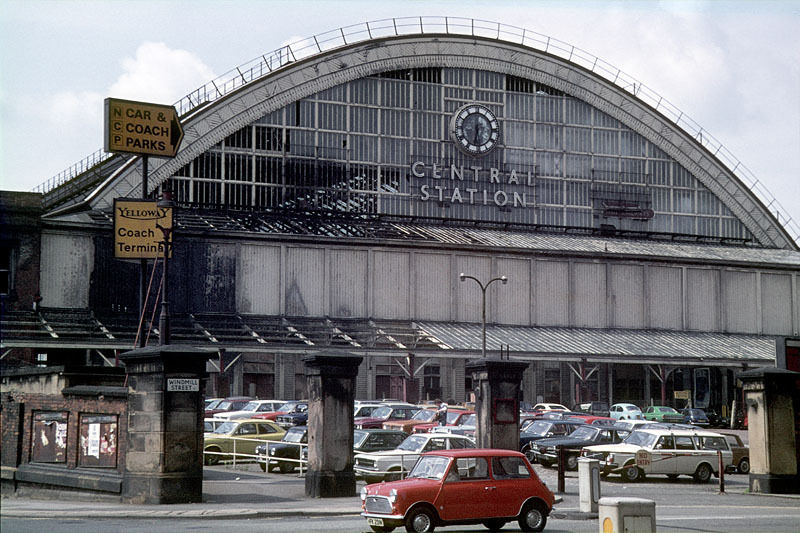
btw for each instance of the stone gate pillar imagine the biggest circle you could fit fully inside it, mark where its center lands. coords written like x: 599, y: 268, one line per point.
x: 771, y: 426
x: 497, y: 390
x: 331, y: 382
x: 164, y: 459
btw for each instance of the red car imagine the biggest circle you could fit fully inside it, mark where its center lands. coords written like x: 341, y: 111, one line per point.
x: 384, y: 414
x: 457, y: 487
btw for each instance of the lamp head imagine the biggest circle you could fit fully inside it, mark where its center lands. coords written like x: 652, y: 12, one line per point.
x: 503, y: 279
x: 462, y: 276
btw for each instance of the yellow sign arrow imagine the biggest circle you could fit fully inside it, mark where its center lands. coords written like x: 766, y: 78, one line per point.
x: 141, y: 128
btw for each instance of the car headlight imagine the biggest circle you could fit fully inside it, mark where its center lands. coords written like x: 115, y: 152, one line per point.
x: 363, y: 494
x: 392, y: 496
x: 610, y: 458
x: 272, y: 451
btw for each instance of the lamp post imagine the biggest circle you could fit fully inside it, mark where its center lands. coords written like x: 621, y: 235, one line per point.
x: 163, y: 320
x: 483, y: 287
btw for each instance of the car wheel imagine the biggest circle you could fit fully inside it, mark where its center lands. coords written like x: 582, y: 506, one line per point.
x: 533, y: 517
x: 382, y: 529
x: 632, y: 473
x: 703, y: 473
x: 529, y: 454
x: 572, y: 462
x: 285, y: 467
x: 420, y: 520
x: 744, y: 466
x: 494, y: 524
x: 211, y: 459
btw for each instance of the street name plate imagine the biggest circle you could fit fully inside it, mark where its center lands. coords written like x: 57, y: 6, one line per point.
x: 183, y: 385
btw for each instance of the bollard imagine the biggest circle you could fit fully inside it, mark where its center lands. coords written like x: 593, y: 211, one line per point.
x: 562, y: 461
x: 627, y: 515
x: 588, y: 484
x: 721, y: 467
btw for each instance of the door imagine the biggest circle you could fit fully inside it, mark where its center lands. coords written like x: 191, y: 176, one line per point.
x: 467, y: 495
x: 685, y: 455
x: 510, y: 475
x: 663, y: 456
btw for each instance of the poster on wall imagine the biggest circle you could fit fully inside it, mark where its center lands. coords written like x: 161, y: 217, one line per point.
x: 98, y: 441
x: 49, y: 437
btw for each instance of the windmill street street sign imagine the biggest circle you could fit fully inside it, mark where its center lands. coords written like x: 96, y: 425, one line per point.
x: 141, y: 128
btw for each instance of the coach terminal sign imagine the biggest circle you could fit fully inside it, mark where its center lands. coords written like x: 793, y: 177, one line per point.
x: 141, y: 128
x: 137, y: 234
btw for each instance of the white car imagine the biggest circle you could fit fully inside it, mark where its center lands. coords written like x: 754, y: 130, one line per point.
x: 253, y: 407
x: 670, y: 452
x: 626, y: 411
x: 395, y: 464
x: 549, y: 407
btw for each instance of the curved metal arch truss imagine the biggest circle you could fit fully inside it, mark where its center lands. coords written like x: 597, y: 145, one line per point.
x: 208, y: 125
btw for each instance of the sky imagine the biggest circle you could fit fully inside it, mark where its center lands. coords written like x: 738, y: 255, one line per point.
x: 732, y: 67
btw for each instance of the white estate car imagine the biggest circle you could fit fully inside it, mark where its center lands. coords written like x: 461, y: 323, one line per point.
x: 394, y: 464
x: 253, y: 407
x: 669, y: 452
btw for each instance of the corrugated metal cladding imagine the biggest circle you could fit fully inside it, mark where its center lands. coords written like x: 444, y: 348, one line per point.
x: 432, y: 283
x: 467, y: 293
x: 514, y: 300
x: 702, y: 296
x: 588, y: 294
x: 305, y: 281
x: 626, y: 296
x: 391, y: 285
x: 213, y: 266
x: 739, y: 301
x: 66, y: 267
x: 552, y: 293
x: 664, y: 297
x: 348, y: 287
x: 776, y: 309
x: 594, y: 345
x: 259, y: 275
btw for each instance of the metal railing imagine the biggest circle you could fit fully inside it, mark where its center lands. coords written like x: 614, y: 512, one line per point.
x: 348, y: 35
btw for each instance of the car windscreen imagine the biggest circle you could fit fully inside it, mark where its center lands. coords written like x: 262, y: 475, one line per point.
x: 413, y: 443
x: 359, y: 436
x: 225, y: 428
x: 294, y: 435
x: 468, y: 421
x: 583, y: 432
x: 540, y: 427
x: 641, y: 438
x: 381, y: 412
x: 424, y: 415
x: 251, y: 406
x: 429, y: 467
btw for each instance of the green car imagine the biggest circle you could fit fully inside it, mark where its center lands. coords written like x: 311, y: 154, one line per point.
x: 662, y: 413
x: 239, y: 437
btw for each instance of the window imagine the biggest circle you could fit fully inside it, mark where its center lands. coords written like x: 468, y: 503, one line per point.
x: 665, y: 443
x: 247, y: 429
x: 684, y: 443
x: 509, y: 468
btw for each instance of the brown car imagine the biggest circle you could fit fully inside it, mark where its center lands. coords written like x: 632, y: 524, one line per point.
x: 423, y: 416
x: 741, y: 453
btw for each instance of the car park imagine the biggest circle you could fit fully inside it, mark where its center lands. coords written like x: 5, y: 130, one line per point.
x: 626, y: 411
x: 239, y: 438
x: 371, y: 440
x: 662, y: 413
x: 549, y: 407
x: 466, y: 427
x: 630, y: 425
x: 364, y: 409
x: 210, y: 424
x: 593, y: 408
x: 298, y: 416
x: 457, y: 487
x: 293, y: 406
x: 233, y: 403
x: 283, y: 455
x: 670, y: 452
x: 545, y: 450
x: 741, y: 453
x: 695, y: 417
x: 385, y: 413
x: 455, y: 417
x: 394, y: 464
x: 251, y: 408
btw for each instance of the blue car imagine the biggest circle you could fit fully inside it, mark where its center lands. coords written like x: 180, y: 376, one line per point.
x: 695, y: 417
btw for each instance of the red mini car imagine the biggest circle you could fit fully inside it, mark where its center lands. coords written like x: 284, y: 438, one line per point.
x: 465, y: 486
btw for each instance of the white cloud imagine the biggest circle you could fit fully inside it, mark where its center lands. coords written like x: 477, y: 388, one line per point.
x: 160, y: 74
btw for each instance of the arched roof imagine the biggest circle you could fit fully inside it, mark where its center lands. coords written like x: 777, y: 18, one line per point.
x: 207, y: 125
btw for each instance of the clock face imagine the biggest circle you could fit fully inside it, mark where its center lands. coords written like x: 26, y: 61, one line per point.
x: 475, y: 129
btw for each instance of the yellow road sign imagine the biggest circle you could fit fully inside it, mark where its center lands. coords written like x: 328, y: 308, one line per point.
x: 141, y: 128
x: 138, y: 232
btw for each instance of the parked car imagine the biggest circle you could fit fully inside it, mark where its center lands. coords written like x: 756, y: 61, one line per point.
x: 541, y: 429
x: 234, y: 403
x: 546, y: 450
x: 630, y: 425
x: 593, y: 408
x: 298, y: 416
x: 626, y: 411
x: 466, y: 427
x: 382, y: 414
x: 455, y: 417
x: 394, y: 464
x: 549, y: 407
x: 294, y: 406
x: 662, y: 413
x: 423, y: 416
x: 473, y: 486
x: 741, y: 453
x: 210, y: 403
x: 371, y: 440
x: 210, y: 424
x: 252, y: 408
x: 695, y: 417
x: 716, y: 420
x: 667, y: 452
x: 284, y: 455
x: 240, y: 437
x: 362, y: 409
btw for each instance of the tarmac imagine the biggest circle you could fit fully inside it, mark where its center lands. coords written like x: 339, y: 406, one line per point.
x: 246, y: 492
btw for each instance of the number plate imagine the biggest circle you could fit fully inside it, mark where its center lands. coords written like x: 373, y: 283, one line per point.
x: 375, y: 521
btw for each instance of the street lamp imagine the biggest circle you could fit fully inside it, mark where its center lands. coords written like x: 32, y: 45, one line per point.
x: 483, y: 287
x: 163, y: 320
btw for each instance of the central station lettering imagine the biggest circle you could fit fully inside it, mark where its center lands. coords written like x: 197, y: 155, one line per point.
x: 462, y: 184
